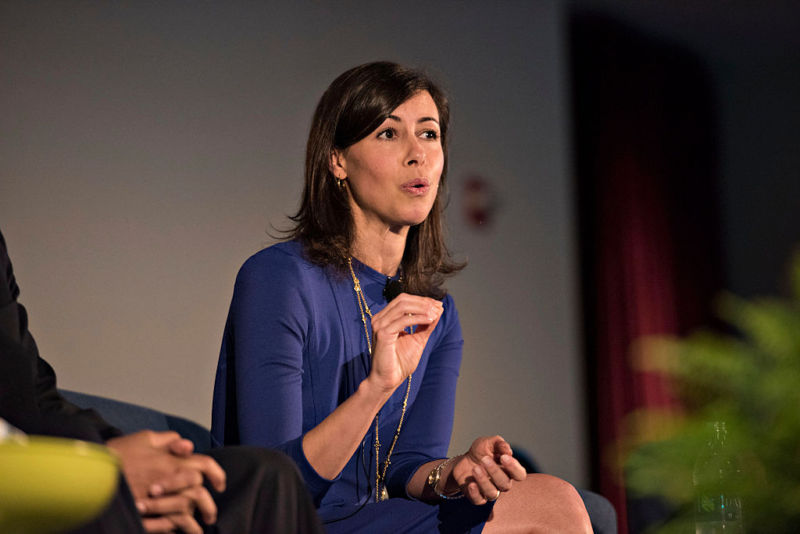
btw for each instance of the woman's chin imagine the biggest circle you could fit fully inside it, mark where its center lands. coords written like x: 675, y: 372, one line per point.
x: 414, y: 221
x: 416, y: 217
x: 406, y: 220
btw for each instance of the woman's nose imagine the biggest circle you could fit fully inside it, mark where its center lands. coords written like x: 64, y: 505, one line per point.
x: 416, y: 153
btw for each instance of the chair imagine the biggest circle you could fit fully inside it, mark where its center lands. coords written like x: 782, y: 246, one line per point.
x: 130, y: 418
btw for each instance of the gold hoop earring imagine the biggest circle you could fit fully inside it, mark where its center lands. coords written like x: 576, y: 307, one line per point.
x: 340, y: 183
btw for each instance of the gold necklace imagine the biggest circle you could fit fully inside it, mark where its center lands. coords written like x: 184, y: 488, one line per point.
x: 381, y: 494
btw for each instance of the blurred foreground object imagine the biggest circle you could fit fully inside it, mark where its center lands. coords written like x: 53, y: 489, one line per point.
x: 750, y: 380
x: 50, y: 485
x: 716, y: 509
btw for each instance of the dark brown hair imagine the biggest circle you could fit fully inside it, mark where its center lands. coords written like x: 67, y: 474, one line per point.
x: 353, y: 106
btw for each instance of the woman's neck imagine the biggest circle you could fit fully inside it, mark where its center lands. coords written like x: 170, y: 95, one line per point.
x: 382, y: 249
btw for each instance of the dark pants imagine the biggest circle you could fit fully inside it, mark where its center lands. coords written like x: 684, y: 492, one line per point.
x: 265, y: 494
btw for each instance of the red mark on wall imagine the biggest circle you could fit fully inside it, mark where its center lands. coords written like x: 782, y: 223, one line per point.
x: 479, y: 202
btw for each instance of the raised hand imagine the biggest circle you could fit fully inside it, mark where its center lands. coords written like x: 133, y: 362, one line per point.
x: 396, y: 352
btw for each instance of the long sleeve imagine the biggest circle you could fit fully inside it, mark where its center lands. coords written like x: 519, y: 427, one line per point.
x: 426, y: 433
x: 17, y: 375
x: 29, y: 398
x: 269, y: 323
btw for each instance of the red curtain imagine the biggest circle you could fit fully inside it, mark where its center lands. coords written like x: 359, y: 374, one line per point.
x: 645, y: 164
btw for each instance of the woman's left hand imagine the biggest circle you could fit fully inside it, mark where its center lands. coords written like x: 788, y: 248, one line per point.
x: 487, y: 470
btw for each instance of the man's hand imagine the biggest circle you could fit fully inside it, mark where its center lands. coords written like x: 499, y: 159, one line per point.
x: 166, y: 480
x: 176, y: 511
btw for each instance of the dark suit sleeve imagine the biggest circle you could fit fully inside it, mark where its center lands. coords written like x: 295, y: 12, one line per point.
x: 29, y: 398
x: 17, y: 375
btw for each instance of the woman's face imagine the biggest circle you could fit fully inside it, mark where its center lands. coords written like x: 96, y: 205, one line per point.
x: 393, y: 173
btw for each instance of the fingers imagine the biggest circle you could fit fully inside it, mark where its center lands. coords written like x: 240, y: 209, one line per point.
x: 164, y: 514
x: 501, y: 447
x: 483, y: 487
x: 404, y: 299
x: 406, y: 304
x: 396, y: 352
x: 160, y: 439
x: 205, y: 505
x: 399, y: 325
x: 405, y: 311
x: 211, y: 470
x: 191, y: 473
x: 489, y: 478
x: 158, y: 525
x: 184, y: 502
x: 504, y: 456
x: 183, y: 522
x: 181, y: 447
x: 513, y: 468
x: 474, y: 494
x: 178, y: 481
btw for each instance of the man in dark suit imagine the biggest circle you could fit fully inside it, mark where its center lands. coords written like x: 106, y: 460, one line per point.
x: 166, y: 486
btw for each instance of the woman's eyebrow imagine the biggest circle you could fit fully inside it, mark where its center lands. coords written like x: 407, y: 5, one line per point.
x: 423, y: 119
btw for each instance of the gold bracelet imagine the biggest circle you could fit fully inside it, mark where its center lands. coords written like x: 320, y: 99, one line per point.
x: 433, y: 482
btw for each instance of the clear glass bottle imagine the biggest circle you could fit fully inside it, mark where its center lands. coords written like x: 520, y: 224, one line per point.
x: 718, y: 510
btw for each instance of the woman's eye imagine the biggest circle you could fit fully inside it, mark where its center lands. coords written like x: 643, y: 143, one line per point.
x: 388, y: 133
x: 430, y: 134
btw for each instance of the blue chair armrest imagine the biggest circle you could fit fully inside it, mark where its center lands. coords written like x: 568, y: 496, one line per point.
x: 131, y: 418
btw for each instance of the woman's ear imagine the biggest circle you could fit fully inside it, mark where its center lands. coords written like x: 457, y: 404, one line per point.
x: 338, y: 165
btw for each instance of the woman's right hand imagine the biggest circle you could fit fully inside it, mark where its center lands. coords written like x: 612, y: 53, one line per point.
x: 395, y: 351
x: 395, y: 355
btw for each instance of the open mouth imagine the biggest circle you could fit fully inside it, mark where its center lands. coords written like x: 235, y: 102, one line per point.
x: 418, y: 186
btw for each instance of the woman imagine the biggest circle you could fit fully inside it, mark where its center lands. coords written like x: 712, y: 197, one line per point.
x: 319, y: 360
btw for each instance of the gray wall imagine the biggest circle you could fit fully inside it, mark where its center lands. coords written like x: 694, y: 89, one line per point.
x: 148, y: 146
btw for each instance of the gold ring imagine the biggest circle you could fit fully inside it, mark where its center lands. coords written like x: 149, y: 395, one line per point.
x: 496, y: 496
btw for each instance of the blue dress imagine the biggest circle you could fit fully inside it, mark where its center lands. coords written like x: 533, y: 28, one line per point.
x: 293, y: 349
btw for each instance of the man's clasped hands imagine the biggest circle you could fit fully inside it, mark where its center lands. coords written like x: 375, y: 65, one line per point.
x: 166, y: 478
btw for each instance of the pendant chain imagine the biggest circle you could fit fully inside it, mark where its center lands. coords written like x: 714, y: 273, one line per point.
x: 381, y: 493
